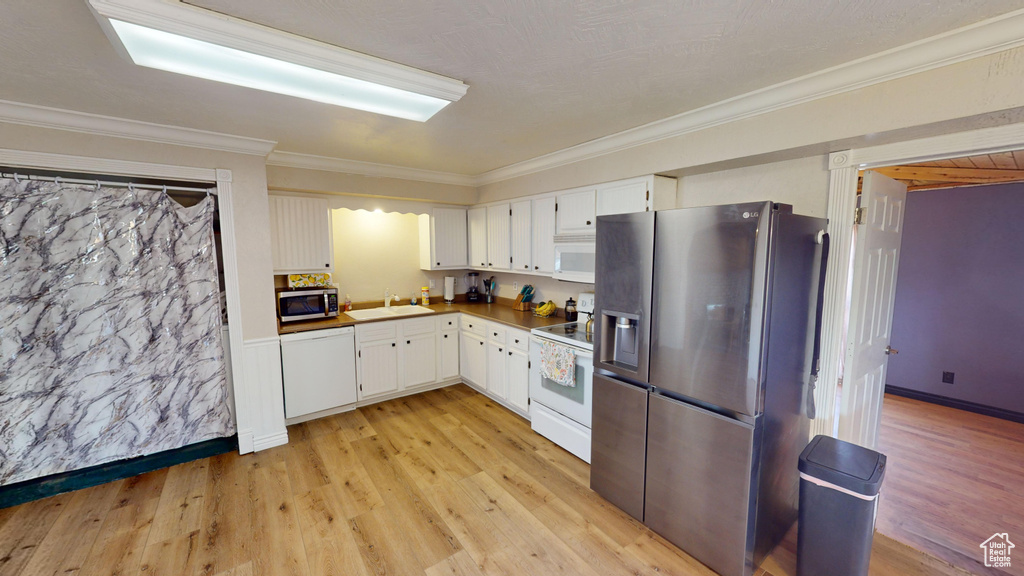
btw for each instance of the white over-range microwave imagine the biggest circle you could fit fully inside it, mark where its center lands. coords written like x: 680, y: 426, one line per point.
x: 575, y: 258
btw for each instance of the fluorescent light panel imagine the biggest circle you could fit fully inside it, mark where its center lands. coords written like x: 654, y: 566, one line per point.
x: 173, y: 53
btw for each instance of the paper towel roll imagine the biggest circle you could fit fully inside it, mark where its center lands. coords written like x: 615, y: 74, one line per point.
x: 449, y: 289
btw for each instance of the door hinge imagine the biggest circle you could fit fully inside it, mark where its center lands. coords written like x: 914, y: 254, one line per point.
x: 509, y: 211
x: 529, y: 364
x: 556, y: 206
x: 509, y: 259
x: 648, y: 194
x: 360, y: 353
x: 360, y: 387
x: 859, y: 215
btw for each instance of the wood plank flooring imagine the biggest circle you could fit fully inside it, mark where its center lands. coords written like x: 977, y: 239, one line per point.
x: 441, y: 483
x: 954, y: 479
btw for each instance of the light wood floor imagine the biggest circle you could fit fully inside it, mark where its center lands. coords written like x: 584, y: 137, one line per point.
x: 444, y: 482
x: 954, y: 479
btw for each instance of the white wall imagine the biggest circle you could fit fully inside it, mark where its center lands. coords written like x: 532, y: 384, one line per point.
x: 378, y: 250
x: 970, y: 94
x: 803, y: 183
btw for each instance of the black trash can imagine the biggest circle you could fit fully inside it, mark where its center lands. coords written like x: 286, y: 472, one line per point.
x: 839, y: 485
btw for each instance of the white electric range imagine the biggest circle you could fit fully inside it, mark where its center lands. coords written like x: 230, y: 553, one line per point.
x: 563, y: 413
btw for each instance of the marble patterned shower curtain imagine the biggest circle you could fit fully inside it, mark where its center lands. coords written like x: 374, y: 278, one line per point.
x: 110, y: 343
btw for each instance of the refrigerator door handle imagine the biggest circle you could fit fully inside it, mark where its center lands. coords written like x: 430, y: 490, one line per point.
x: 818, y: 313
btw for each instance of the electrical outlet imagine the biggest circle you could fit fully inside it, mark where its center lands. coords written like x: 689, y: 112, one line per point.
x: 431, y: 282
x: 515, y: 286
x: 947, y: 377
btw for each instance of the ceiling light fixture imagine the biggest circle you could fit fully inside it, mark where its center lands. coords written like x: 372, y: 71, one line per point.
x: 176, y: 37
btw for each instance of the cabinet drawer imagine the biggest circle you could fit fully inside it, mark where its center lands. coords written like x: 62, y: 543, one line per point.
x: 474, y: 325
x: 377, y: 331
x: 496, y: 332
x: 449, y: 322
x: 418, y: 326
x: 519, y: 340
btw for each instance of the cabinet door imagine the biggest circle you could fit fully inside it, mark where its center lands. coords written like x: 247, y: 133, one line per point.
x: 449, y: 237
x: 449, y: 355
x: 419, y: 359
x: 497, y: 382
x: 300, y: 235
x: 518, y: 379
x: 378, y: 368
x: 477, y: 221
x: 622, y: 197
x: 543, y: 224
x: 522, y: 256
x: 575, y: 213
x: 499, y: 237
x: 473, y: 359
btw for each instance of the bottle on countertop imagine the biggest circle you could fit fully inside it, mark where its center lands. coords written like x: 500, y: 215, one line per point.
x: 425, y: 295
x: 348, y: 303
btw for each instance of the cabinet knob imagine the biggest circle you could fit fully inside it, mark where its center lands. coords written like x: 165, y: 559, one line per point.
x: 481, y: 343
x: 327, y: 265
x: 588, y: 222
x: 517, y: 340
x: 438, y: 263
x: 489, y: 264
x: 392, y: 344
x: 499, y: 350
x: 495, y: 333
x: 482, y: 264
x: 509, y: 353
x: 445, y: 335
x: 536, y: 267
x: 408, y: 341
x: 526, y: 267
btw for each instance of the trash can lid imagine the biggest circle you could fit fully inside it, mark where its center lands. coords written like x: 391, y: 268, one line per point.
x: 850, y: 466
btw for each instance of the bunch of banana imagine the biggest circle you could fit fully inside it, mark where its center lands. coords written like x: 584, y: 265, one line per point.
x: 546, y: 309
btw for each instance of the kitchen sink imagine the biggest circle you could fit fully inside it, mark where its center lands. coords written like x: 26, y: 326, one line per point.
x: 392, y: 312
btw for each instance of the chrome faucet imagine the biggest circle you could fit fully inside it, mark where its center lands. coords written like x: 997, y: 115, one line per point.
x: 388, y: 298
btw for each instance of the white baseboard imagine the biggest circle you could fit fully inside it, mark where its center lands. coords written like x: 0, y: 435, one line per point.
x: 269, y: 441
x: 246, y: 443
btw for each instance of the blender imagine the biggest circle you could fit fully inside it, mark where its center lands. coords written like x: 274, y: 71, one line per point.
x: 472, y: 292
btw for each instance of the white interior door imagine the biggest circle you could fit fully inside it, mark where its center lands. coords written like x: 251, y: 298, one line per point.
x: 876, y: 260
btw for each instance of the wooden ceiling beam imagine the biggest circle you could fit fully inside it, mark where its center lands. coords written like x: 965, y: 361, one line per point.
x: 962, y: 175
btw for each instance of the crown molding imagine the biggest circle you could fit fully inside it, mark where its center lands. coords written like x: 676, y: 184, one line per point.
x: 979, y: 39
x: 200, y: 24
x: 312, y: 162
x: 58, y: 119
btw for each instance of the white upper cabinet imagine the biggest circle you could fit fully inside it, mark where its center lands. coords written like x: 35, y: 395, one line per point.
x: 543, y: 224
x: 544, y: 235
x: 636, y: 195
x: 477, y: 220
x: 575, y: 212
x: 499, y: 252
x: 522, y: 238
x: 443, y: 239
x: 300, y: 235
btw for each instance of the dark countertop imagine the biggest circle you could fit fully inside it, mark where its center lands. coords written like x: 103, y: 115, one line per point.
x: 498, y: 312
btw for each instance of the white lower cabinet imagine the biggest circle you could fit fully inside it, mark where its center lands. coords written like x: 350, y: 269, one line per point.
x: 495, y: 359
x: 518, y: 379
x: 497, y: 382
x: 396, y: 355
x: 473, y: 359
x: 449, y: 354
x: 378, y: 368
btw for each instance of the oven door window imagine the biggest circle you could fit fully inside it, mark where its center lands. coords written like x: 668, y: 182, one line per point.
x: 576, y: 393
x: 303, y: 305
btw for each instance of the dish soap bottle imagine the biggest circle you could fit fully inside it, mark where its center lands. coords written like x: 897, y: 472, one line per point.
x: 425, y: 295
x: 348, y: 303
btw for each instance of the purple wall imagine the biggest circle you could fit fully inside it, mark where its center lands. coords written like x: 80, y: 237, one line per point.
x: 960, y: 295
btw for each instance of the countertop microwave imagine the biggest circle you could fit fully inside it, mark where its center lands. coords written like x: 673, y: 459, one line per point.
x: 307, y: 304
x: 575, y: 257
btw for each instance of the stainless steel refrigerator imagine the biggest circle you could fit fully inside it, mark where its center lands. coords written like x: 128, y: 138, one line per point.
x: 703, y: 366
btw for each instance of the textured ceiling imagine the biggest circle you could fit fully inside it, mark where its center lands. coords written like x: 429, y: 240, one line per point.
x: 543, y: 75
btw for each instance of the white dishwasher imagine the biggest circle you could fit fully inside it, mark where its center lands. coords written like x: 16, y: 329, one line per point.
x: 319, y: 369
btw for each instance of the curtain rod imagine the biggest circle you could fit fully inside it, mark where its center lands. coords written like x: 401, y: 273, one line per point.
x: 18, y: 176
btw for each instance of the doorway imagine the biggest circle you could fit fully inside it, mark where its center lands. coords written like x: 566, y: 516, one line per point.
x: 952, y: 474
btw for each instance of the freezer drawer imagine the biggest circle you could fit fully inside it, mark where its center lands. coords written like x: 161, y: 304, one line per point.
x: 699, y: 484
x: 618, y: 445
